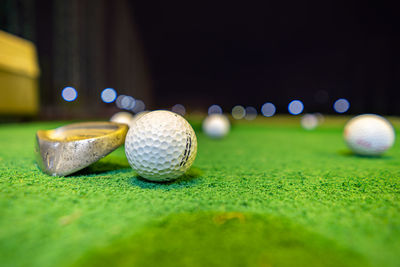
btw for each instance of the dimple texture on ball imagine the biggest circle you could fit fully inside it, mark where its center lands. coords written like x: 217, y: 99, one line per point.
x: 161, y: 146
x: 369, y: 135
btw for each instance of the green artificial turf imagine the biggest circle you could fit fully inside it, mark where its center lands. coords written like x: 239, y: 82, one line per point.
x: 270, y: 194
x: 232, y: 239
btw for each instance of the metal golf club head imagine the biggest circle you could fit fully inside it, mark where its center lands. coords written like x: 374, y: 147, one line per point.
x: 70, y: 148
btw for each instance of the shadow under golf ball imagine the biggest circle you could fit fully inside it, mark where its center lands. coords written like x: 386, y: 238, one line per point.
x: 188, y: 179
x: 349, y: 153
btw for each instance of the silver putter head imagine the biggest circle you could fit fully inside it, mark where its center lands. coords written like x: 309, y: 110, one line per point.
x: 70, y: 148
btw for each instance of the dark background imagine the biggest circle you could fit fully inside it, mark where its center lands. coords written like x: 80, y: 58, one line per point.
x: 221, y: 52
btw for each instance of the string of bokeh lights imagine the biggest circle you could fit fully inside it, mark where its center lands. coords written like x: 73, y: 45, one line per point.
x: 108, y: 95
x: 238, y: 112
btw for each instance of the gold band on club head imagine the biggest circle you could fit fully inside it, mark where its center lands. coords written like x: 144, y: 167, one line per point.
x: 70, y: 148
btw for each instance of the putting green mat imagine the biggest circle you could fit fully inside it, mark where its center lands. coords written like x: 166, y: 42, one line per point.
x: 270, y: 194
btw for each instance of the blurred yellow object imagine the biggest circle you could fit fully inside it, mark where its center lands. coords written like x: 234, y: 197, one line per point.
x: 19, y: 72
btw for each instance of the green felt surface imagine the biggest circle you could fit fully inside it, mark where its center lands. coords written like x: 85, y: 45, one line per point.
x: 270, y: 194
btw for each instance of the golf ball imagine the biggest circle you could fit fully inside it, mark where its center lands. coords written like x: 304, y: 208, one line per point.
x: 122, y: 117
x: 309, y: 121
x: 138, y: 116
x: 216, y: 125
x: 369, y: 135
x: 161, y: 146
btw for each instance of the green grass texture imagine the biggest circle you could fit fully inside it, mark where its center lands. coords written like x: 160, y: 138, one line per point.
x: 269, y: 194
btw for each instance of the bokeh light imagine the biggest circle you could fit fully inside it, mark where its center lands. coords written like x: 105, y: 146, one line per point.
x: 179, y: 109
x: 238, y: 112
x: 108, y: 95
x: 125, y: 102
x: 139, y: 106
x: 309, y: 121
x: 295, y: 107
x: 341, y: 105
x: 268, y: 109
x: 214, y: 109
x: 251, y: 113
x: 119, y: 100
x: 69, y: 94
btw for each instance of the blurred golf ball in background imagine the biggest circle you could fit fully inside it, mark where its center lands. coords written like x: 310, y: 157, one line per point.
x: 122, y: 117
x: 161, y: 146
x: 138, y: 116
x: 309, y: 121
x: 369, y: 135
x: 216, y: 125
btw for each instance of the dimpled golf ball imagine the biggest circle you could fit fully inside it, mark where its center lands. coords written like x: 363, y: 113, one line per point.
x: 122, y: 117
x: 161, y: 146
x: 216, y: 125
x: 369, y: 135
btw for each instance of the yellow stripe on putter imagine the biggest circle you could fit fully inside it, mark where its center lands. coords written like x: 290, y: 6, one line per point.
x: 71, y: 148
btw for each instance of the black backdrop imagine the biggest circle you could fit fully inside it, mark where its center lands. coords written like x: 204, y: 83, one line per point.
x: 221, y: 52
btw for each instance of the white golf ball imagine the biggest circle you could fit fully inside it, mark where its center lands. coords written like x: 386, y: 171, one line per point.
x: 309, y: 121
x: 161, y: 145
x: 216, y: 125
x: 122, y: 117
x: 369, y: 135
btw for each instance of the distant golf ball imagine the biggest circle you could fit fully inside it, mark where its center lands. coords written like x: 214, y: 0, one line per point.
x: 369, y: 135
x: 216, y: 125
x: 161, y: 146
x: 309, y: 121
x: 138, y: 116
x: 122, y: 117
